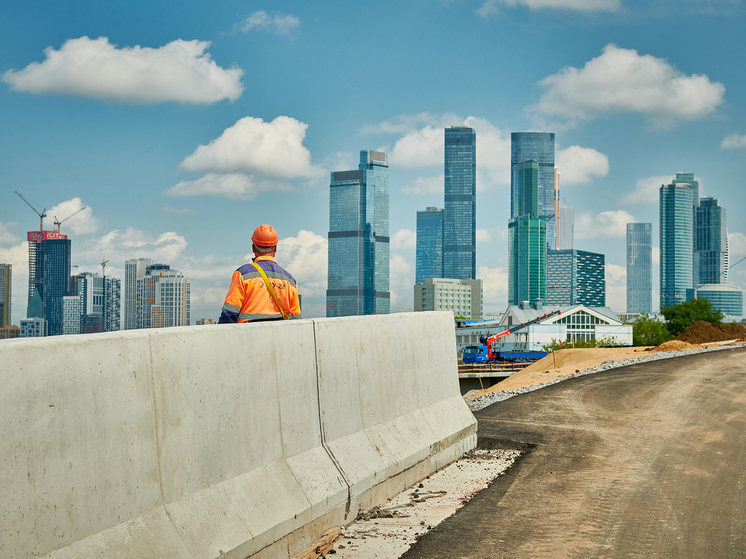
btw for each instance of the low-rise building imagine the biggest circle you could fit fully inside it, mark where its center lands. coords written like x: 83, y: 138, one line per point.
x: 34, y: 327
x: 728, y: 299
x: 462, y: 297
x: 9, y: 332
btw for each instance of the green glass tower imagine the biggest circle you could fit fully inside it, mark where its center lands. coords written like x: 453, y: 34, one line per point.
x: 676, y: 234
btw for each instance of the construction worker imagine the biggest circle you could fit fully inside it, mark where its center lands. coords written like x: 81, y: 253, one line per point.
x: 261, y: 290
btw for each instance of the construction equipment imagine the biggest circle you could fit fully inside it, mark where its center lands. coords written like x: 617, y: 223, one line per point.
x: 41, y: 215
x: 103, y: 268
x: 59, y: 223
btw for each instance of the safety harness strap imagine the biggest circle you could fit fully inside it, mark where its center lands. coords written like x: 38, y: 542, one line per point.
x: 271, y: 291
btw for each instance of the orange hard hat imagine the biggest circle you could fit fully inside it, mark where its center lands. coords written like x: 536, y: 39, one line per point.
x: 264, y: 236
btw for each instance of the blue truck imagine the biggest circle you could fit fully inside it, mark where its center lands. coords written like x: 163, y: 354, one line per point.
x: 475, y: 354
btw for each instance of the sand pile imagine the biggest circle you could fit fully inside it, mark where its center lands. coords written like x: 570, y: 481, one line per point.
x: 674, y: 345
x: 704, y: 332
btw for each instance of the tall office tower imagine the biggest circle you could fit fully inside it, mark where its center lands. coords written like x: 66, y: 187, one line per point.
x: 688, y: 178
x: 676, y: 234
x: 576, y: 277
x: 566, y: 240
x: 538, y: 146
x: 49, y: 275
x: 429, y: 254
x: 460, y: 204
x: 100, y: 302
x: 711, y: 242
x: 134, y: 269
x: 527, y: 241
x: 71, y: 314
x: 557, y: 216
x: 6, y: 286
x: 112, y: 304
x: 358, y: 281
x: 163, y: 298
x: 640, y: 268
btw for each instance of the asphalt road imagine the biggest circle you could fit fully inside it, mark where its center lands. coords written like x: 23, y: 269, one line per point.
x: 643, y: 461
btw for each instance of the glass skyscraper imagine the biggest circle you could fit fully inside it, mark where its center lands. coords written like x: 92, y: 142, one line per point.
x: 6, y: 285
x: 711, y: 242
x: 640, y: 268
x: 429, y: 255
x: 540, y: 147
x: 688, y: 178
x: 460, y: 205
x: 358, y: 280
x: 49, y: 275
x: 566, y: 227
x: 576, y: 277
x: 676, y: 234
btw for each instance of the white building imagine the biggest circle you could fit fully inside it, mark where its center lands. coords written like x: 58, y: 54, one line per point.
x: 71, y: 314
x: 34, y: 327
x: 133, y: 270
x: 163, y: 298
x: 462, y: 297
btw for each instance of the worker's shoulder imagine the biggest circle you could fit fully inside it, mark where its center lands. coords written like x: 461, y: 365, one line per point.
x: 270, y: 267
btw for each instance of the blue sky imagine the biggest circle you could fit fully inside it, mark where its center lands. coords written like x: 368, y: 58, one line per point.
x: 183, y: 125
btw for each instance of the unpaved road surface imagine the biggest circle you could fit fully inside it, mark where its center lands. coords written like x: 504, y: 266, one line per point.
x: 642, y: 461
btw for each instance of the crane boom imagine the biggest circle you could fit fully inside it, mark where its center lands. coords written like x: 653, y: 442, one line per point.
x: 492, y: 339
x: 59, y: 223
x: 41, y: 215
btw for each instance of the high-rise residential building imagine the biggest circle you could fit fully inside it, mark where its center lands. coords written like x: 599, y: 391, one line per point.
x: 134, y: 269
x: 640, y: 268
x: 566, y: 232
x: 71, y: 310
x: 676, y: 237
x: 49, y: 274
x: 34, y: 327
x: 527, y: 242
x: 100, y: 305
x: 429, y: 253
x: 576, y: 277
x: 460, y: 203
x: 6, y: 285
x: 358, y: 263
x: 112, y: 304
x: 540, y: 147
x: 163, y: 298
x: 462, y: 297
x: 711, y: 242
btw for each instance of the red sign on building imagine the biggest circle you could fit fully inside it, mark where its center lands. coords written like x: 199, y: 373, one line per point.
x: 39, y: 236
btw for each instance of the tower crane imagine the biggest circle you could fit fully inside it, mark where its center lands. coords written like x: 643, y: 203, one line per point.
x: 59, y: 223
x: 103, y: 268
x: 41, y: 215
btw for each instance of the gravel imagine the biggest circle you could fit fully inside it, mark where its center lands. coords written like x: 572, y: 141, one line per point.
x: 479, y: 402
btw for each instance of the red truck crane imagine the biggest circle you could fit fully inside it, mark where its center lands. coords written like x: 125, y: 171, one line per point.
x: 492, y: 339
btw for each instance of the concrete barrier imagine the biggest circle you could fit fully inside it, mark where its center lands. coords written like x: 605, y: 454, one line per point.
x: 226, y: 441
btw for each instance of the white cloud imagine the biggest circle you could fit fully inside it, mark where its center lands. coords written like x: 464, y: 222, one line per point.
x: 7, y: 237
x: 494, y: 288
x: 579, y: 165
x: 74, y: 219
x: 620, y: 80
x: 278, y: 24
x: 616, y: 287
x: 656, y: 256
x: 419, y: 148
x: 340, y: 161
x: 611, y: 224
x: 483, y: 236
x: 236, y: 186
x: 736, y: 246
x: 734, y: 141
x: 404, y: 239
x: 647, y: 190
x: 180, y: 71
x: 305, y: 257
x: 493, y: 153
x: 274, y: 149
x: 400, y: 284
x: 492, y: 7
x: 120, y: 245
x: 404, y: 124
x: 425, y: 186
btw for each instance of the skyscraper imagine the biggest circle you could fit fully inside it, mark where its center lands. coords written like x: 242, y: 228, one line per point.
x: 576, y: 277
x: 429, y: 253
x: 688, y: 178
x: 134, y: 269
x: 460, y: 204
x: 163, y: 298
x: 566, y: 239
x: 6, y: 285
x: 49, y: 274
x: 640, y: 268
x: 358, y: 279
x: 99, y: 302
x: 676, y: 234
x: 527, y: 242
x: 540, y: 147
x: 711, y: 242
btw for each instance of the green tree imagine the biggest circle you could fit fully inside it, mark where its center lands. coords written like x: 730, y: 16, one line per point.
x: 646, y: 331
x: 681, y: 315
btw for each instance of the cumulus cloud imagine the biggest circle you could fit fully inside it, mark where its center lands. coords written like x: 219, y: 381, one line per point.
x: 734, y: 141
x: 646, y: 190
x: 616, y: 287
x: 736, y: 246
x: 180, y: 71
x: 611, y: 224
x: 277, y: 24
x: 236, y: 186
x: 424, y: 186
x: 419, y: 148
x: 492, y: 7
x: 118, y: 245
x: 74, y: 219
x: 621, y: 80
x: 494, y: 288
x: 401, y: 284
x: 7, y: 237
x: 404, y: 239
x: 273, y: 149
x: 403, y: 124
x: 579, y: 165
x: 483, y: 236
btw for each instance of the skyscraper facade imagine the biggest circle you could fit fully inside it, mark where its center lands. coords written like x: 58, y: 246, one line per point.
x: 6, y: 285
x: 576, y: 277
x: 460, y: 203
x: 134, y: 269
x: 688, y: 178
x: 429, y: 252
x: 49, y: 275
x: 566, y: 240
x: 358, y: 263
x: 676, y: 235
x: 163, y: 298
x: 540, y: 147
x: 640, y: 268
x: 711, y: 242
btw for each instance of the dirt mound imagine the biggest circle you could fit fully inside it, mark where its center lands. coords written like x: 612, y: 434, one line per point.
x: 675, y: 345
x: 704, y: 332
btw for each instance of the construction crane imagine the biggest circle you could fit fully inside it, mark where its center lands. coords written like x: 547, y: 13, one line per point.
x: 59, y: 223
x: 103, y: 268
x: 41, y: 215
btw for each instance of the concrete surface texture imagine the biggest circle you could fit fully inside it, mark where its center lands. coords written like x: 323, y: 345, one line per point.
x: 220, y: 441
x: 642, y: 461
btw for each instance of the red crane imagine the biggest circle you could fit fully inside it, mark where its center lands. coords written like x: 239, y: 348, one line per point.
x: 492, y: 339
